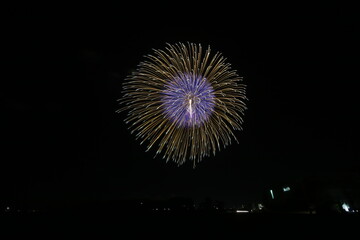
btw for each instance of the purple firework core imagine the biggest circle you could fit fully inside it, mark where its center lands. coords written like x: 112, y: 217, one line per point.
x: 188, y: 100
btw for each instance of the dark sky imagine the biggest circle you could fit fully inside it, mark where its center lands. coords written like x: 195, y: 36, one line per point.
x: 63, y: 142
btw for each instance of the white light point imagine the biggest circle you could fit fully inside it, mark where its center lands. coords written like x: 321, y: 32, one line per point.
x: 242, y: 211
x: 345, y: 206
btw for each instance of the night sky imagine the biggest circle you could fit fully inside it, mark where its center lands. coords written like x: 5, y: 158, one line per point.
x: 63, y: 142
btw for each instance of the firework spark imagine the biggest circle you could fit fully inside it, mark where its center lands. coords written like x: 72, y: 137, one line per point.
x: 186, y: 102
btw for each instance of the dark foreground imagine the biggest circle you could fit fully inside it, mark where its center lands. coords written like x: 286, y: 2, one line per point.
x: 173, y: 225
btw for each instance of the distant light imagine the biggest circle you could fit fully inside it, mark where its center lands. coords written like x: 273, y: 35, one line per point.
x: 260, y: 206
x: 272, y: 194
x: 345, y: 206
x: 286, y: 189
x: 242, y: 211
x: 7, y: 208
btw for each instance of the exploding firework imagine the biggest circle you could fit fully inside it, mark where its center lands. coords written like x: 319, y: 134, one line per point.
x: 185, y: 101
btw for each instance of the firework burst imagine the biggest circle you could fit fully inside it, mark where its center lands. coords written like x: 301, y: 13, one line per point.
x: 185, y: 101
